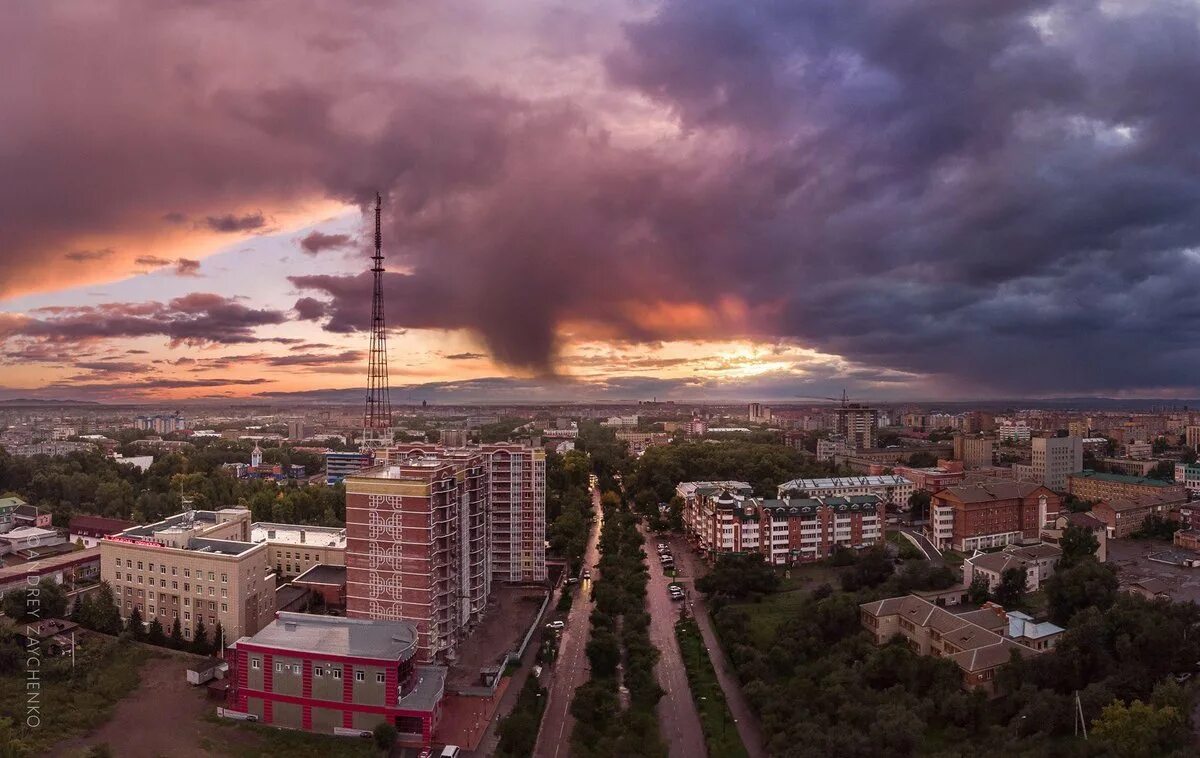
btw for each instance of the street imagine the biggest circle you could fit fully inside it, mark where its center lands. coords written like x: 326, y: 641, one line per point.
x: 689, y: 566
x: 571, y: 669
x: 678, y: 719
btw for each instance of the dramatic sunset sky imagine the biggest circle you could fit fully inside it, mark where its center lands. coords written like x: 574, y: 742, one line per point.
x: 702, y: 199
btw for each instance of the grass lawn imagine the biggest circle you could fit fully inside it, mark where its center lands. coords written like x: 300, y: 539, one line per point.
x: 767, y: 615
x: 70, y: 702
x: 239, y: 739
x: 952, y: 558
x: 720, y: 732
x: 907, y: 549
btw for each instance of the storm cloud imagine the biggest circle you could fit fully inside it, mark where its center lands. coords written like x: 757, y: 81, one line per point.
x: 998, y: 195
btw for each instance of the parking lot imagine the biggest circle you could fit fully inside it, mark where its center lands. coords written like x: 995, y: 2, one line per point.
x: 1132, y: 558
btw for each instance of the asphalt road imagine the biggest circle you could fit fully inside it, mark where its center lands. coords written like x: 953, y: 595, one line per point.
x: 571, y: 669
x: 678, y: 719
x: 689, y: 567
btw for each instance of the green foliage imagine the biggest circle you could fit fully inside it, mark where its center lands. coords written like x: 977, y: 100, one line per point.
x: 1012, y: 585
x: 1077, y: 544
x: 45, y: 600
x: 738, y: 577
x: 156, y: 635
x: 872, y: 567
x: 764, y: 466
x: 134, y: 624
x: 1087, y: 584
x: 99, y: 611
x: 720, y: 731
x: 1156, y: 527
x: 918, y: 503
x: 1141, y: 730
x: 92, y: 483
x: 979, y: 591
x: 176, y: 640
x: 201, y: 645
x: 922, y: 459
x: 384, y: 735
x: 519, y: 729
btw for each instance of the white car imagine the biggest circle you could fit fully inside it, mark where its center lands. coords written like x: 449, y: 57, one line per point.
x: 451, y: 751
x: 555, y: 625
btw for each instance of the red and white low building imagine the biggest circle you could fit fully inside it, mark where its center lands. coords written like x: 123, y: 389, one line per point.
x: 336, y: 675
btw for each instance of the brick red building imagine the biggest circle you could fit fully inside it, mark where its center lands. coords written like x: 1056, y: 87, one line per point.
x: 336, y: 675
x: 416, y: 546
x: 993, y: 514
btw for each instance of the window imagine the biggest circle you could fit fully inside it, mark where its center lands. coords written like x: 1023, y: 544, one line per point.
x: 211, y: 576
x: 318, y: 672
x: 140, y: 579
x: 224, y: 592
x: 212, y: 606
x: 128, y: 563
x: 278, y: 667
x: 173, y: 571
x: 337, y: 673
x: 359, y: 676
x: 224, y: 578
x: 174, y: 585
x: 224, y: 607
x: 212, y: 591
x: 129, y: 577
x: 187, y: 572
x: 187, y: 601
x: 306, y: 556
x: 379, y: 678
x: 187, y: 616
x: 139, y: 565
x: 255, y: 663
x: 174, y: 614
x: 149, y: 568
x: 187, y: 633
x: 118, y: 562
x: 162, y: 568
x: 187, y: 587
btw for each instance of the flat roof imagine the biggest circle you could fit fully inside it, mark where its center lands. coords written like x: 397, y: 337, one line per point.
x: 323, y: 573
x: 1123, y: 478
x: 883, y: 480
x: 290, y: 534
x: 335, y: 635
x: 46, y: 565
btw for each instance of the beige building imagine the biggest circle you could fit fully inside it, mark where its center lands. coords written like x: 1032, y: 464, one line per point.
x: 192, y: 566
x: 974, y: 452
x: 1192, y: 437
x: 294, y: 549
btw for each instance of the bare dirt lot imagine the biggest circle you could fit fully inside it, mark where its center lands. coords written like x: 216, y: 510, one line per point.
x: 162, y: 717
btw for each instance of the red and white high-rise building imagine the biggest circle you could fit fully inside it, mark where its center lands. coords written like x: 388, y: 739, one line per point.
x: 417, y: 547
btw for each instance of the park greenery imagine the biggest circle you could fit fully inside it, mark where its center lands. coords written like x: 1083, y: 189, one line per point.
x: 91, y: 483
x: 822, y: 688
x: 762, y: 465
x: 519, y: 729
x: 568, y: 506
x: 720, y: 732
x: 619, y: 652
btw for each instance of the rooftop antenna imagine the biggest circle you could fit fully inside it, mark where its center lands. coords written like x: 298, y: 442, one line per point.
x: 377, y: 417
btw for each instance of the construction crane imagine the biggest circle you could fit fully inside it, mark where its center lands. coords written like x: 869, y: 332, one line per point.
x: 843, y: 399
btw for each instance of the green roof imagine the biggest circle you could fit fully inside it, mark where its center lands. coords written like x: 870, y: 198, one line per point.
x: 1123, y: 478
x: 11, y: 502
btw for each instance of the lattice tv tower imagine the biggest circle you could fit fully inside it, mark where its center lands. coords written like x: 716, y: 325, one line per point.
x: 377, y: 417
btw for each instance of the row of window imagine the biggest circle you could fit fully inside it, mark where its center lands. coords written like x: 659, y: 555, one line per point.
x: 162, y: 569
x: 318, y: 671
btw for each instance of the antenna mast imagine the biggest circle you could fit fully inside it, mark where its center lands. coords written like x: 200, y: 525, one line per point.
x: 377, y: 417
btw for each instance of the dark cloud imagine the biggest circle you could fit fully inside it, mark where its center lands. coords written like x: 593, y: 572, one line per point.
x: 153, y: 261
x: 309, y: 309
x: 150, y: 385
x: 995, y: 195
x: 187, y: 267
x: 231, y: 223
x: 316, y: 242
x: 318, y: 359
x: 194, y: 319
x: 82, y: 256
x: 464, y: 356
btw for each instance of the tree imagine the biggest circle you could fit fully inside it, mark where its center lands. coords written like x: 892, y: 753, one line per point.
x: 603, y: 652
x: 103, y: 614
x: 922, y: 459
x: 1077, y: 543
x: 177, y: 640
x: 384, y: 734
x: 200, y: 643
x: 1086, y: 584
x: 156, y: 635
x: 979, y: 591
x: 1140, y: 730
x: 918, y: 504
x: 1012, y: 586
x: 218, y: 639
x: 135, y: 625
x: 45, y: 600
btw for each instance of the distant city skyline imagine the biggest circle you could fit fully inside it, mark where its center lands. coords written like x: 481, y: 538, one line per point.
x: 697, y: 201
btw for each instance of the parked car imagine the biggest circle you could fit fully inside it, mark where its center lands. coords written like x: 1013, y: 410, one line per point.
x: 451, y: 751
x: 556, y: 625
x: 587, y: 575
